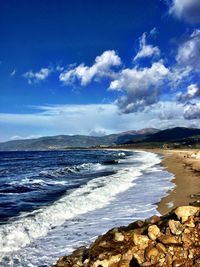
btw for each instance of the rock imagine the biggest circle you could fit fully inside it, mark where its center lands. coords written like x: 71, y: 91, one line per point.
x: 119, y: 237
x: 176, y: 227
x: 153, y: 232
x: 169, y: 259
x: 141, y: 241
x: 161, y: 247
x: 190, y: 222
x: 152, y: 220
x: 139, y: 256
x: 184, y: 212
x: 151, y: 254
x: 169, y: 241
x: 107, y: 262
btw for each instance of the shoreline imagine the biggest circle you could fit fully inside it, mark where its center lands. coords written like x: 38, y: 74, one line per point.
x: 186, y: 171
x: 186, y: 180
x: 157, y: 240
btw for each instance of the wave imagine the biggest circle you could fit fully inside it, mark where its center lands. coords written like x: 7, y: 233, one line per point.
x: 96, y: 194
x: 71, y: 169
x: 121, y: 154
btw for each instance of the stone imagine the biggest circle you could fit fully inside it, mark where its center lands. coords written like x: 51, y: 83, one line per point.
x: 167, y: 239
x: 153, y: 232
x: 190, y: 222
x: 119, y: 237
x: 171, y: 241
x: 184, y: 212
x: 139, y: 256
x: 107, y: 262
x: 176, y: 227
x: 141, y: 241
x: 169, y: 259
x: 152, y: 220
x: 161, y: 247
x: 152, y: 253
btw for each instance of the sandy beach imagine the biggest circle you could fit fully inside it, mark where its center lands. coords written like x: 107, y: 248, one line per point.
x: 186, y: 170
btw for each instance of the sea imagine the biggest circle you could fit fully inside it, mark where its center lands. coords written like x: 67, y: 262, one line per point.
x: 52, y: 202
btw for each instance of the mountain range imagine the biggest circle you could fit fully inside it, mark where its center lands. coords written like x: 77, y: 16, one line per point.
x: 147, y: 136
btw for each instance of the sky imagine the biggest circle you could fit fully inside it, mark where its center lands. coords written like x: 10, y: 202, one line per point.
x: 97, y: 67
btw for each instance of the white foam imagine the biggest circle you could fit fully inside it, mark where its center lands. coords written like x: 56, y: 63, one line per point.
x: 94, y: 195
x: 170, y: 204
x: 72, y: 169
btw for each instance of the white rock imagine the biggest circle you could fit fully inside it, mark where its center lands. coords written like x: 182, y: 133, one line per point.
x: 185, y: 211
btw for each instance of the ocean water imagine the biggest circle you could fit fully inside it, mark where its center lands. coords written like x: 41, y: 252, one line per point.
x: 53, y: 202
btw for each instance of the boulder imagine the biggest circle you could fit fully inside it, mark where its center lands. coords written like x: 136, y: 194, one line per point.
x: 171, y: 240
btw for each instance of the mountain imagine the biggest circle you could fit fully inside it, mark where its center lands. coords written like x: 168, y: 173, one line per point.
x: 173, y: 134
x: 125, y: 137
x: 67, y: 141
x: 148, y: 137
x: 181, y: 136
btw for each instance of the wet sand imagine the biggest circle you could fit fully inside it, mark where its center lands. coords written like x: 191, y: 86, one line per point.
x: 186, y: 172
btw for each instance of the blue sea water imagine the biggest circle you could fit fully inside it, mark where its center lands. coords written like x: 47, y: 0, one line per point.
x: 52, y: 202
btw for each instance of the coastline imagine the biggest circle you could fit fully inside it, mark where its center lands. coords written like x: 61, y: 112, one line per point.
x: 186, y: 172
x: 157, y: 239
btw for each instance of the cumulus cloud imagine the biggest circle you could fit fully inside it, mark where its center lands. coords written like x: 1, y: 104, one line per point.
x: 193, y: 91
x: 189, y: 51
x: 188, y: 10
x: 101, y: 67
x: 192, y: 111
x: 178, y: 74
x: 34, y: 77
x: 140, y: 85
x: 147, y: 50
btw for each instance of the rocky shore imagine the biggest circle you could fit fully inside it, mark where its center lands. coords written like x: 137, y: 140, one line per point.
x: 170, y: 240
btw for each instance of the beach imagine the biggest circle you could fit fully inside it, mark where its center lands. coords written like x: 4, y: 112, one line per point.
x: 186, y: 170
x: 84, y: 193
x: 170, y: 240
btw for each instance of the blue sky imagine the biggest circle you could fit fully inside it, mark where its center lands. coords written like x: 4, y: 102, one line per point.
x: 98, y: 67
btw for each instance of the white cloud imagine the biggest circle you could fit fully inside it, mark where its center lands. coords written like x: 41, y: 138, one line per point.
x: 192, y: 112
x: 59, y: 68
x: 193, y: 91
x: 34, y: 77
x: 189, y: 10
x: 17, y: 137
x: 187, y: 64
x: 13, y: 73
x: 101, y: 67
x: 178, y: 74
x: 147, y: 50
x: 189, y: 51
x: 153, y: 31
x: 140, y: 85
x: 87, y: 119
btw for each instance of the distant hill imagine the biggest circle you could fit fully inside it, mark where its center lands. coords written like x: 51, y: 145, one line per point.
x: 148, y: 137
x: 72, y: 141
x: 174, y: 137
x: 134, y: 135
x: 173, y: 134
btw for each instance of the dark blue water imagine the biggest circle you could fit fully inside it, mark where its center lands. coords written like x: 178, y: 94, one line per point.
x: 30, y: 180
